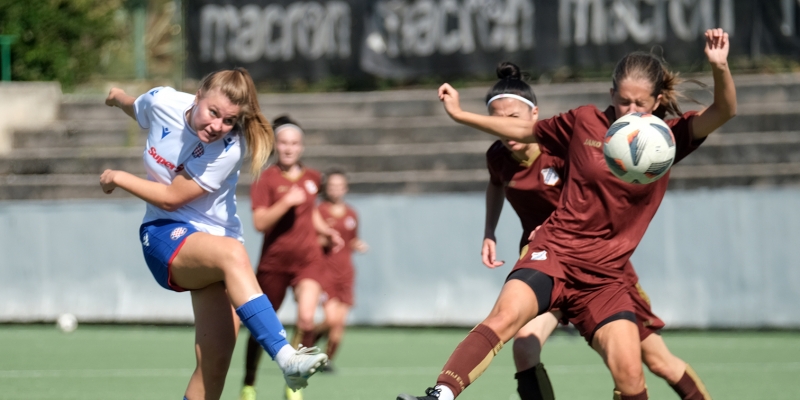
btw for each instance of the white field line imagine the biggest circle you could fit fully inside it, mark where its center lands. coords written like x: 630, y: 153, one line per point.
x: 380, y: 371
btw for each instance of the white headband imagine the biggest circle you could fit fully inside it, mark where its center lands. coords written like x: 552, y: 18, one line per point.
x: 287, y: 126
x: 511, y: 96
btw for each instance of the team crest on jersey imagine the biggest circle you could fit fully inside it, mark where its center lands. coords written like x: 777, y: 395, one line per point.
x: 550, y: 176
x: 164, y: 132
x: 153, y: 92
x: 198, y: 151
x: 146, y: 239
x: 228, y: 142
x: 177, y: 233
x: 539, y: 255
x: 350, y: 223
x: 311, y: 187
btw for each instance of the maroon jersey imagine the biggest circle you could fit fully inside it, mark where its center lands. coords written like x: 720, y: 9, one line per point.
x: 600, y: 219
x: 340, y: 263
x: 293, y: 240
x: 532, y: 189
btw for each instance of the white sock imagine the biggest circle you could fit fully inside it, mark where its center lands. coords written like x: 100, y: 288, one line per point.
x: 445, y: 393
x: 284, y: 354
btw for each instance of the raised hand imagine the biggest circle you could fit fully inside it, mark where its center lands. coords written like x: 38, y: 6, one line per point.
x: 449, y: 97
x: 717, y: 47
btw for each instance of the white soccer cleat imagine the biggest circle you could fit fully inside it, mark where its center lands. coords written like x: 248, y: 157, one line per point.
x: 305, y: 362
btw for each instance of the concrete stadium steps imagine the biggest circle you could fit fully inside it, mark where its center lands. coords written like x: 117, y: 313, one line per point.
x: 85, y: 134
x: 402, y: 141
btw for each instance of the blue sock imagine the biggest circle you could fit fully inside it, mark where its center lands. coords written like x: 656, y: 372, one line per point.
x: 259, y: 317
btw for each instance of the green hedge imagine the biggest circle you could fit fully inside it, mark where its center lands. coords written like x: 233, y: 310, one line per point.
x: 58, y: 39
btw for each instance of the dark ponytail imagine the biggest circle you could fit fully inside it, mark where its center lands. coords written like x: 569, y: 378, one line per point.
x: 511, y: 82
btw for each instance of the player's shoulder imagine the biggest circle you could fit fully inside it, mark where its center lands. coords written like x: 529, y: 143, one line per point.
x: 167, y: 98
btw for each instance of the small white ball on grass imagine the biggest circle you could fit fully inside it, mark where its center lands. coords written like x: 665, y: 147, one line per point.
x: 67, y: 323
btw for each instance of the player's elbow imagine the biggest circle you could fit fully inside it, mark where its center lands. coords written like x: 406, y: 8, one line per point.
x: 172, y: 204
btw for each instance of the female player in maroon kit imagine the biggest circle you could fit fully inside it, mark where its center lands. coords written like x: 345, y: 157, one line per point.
x: 575, y: 261
x: 340, y: 277
x: 284, y: 209
x: 532, y: 181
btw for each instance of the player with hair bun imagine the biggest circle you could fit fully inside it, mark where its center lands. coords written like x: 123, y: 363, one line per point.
x: 575, y: 261
x: 191, y: 236
x: 531, y: 181
x: 284, y: 209
x: 339, y: 263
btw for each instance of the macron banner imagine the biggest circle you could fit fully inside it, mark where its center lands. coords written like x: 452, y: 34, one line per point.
x: 313, y: 40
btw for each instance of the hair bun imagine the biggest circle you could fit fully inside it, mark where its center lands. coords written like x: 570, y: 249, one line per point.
x: 508, y: 70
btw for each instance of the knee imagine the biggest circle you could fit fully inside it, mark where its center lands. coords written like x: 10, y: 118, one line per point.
x: 237, y: 260
x: 504, y: 323
x: 527, y: 352
x: 628, y: 375
x: 669, y: 368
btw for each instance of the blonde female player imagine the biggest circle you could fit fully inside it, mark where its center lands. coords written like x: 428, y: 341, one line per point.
x: 531, y: 181
x: 575, y: 261
x: 339, y: 264
x: 191, y: 236
x: 284, y: 209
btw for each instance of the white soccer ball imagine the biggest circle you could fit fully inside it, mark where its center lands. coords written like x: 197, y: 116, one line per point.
x: 639, y: 148
x: 67, y: 323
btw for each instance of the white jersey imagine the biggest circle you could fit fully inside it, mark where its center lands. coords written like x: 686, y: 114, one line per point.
x: 172, y: 147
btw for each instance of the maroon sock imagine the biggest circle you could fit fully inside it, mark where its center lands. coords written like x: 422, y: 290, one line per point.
x: 308, y: 338
x: 470, y: 358
x: 690, y: 387
x: 640, y: 396
x: 252, y: 357
x: 331, y: 350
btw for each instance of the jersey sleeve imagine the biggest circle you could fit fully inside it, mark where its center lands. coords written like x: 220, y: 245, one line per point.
x: 554, y: 133
x: 143, y: 107
x: 495, y: 177
x: 684, y: 140
x: 260, y: 194
x: 211, y: 164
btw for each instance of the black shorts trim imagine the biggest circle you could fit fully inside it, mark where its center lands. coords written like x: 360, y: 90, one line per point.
x: 628, y: 315
x: 539, y: 282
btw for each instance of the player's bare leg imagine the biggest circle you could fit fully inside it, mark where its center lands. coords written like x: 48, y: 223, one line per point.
x: 675, y: 371
x: 532, y: 380
x: 335, y: 320
x: 216, y: 327
x: 307, y: 293
x: 516, y: 305
x: 206, y: 259
x: 618, y: 343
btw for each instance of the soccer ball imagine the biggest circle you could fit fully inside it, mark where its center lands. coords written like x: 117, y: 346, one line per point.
x: 639, y: 148
x: 67, y: 323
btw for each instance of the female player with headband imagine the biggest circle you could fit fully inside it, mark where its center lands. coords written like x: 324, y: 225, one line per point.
x: 191, y: 236
x: 575, y: 262
x: 285, y: 210
x: 531, y: 181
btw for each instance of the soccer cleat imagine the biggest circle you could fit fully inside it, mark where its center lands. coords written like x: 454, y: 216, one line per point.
x: 293, y: 395
x: 304, y: 363
x: 248, y: 393
x: 430, y: 394
x: 328, y: 368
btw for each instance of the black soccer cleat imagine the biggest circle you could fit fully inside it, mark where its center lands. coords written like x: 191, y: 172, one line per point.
x: 430, y: 394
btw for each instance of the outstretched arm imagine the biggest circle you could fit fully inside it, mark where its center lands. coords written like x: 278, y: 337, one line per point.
x: 118, y: 98
x: 503, y: 127
x: 724, y: 106
x: 180, y: 192
x: 494, y: 206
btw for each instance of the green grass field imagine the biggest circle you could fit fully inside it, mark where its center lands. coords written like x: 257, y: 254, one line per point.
x: 125, y: 362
